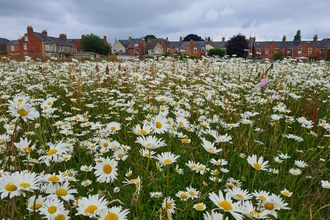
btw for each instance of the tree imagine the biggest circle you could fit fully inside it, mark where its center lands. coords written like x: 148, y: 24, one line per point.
x: 93, y: 43
x: 297, y: 37
x: 278, y: 56
x: 328, y: 56
x: 237, y: 45
x: 149, y: 37
x: 216, y: 51
x: 193, y: 37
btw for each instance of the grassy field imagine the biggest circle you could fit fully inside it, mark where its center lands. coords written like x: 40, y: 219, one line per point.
x: 206, y: 139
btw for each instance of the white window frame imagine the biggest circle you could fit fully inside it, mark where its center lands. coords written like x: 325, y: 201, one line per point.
x: 176, y: 49
x: 289, y: 51
x: 321, y: 50
x: 202, y: 49
x: 25, y: 46
x: 185, y: 49
x: 168, y: 50
x: 12, y: 48
x: 276, y: 50
x: 299, y: 51
x: 310, y: 50
x: 195, y: 49
x: 26, y: 38
x: 267, y: 51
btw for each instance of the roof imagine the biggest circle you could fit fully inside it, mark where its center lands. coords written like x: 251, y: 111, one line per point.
x: 57, y: 41
x: 152, y: 43
x: 4, y: 40
x: 217, y: 44
x: 13, y: 42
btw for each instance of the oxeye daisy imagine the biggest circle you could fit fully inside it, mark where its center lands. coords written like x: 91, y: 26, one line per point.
x: 261, y: 195
x: 91, y: 205
x: 300, y: 163
x: 106, y: 170
x: 27, y: 181
x: 182, y: 195
x: 35, y: 203
x: 63, y: 190
x: 166, y: 158
x: 86, y: 168
x: 115, y: 213
x: 325, y: 184
x: 169, y: 205
x: 156, y: 194
x: 225, y: 204
x: 192, y: 192
x: 113, y: 127
x: 160, y: 124
x: 295, y: 172
x: 53, y: 178
x: 24, y: 110
x: 51, y: 207
x: 213, y: 215
x: 8, y: 186
x: 150, y: 142
x: 219, y: 162
x: 286, y: 193
x: 209, y: 146
x: 199, y: 206
x: 259, y: 164
x: 239, y: 194
x: 120, y: 154
x: 54, y: 153
x: 147, y: 153
x: 25, y: 146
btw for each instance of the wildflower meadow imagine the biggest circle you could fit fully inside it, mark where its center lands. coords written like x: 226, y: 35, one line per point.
x: 147, y: 139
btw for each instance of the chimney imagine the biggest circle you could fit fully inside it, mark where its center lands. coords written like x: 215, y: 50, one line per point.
x: 223, y: 39
x: 82, y: 36
x: 63, y: 36
x: 180, y: 38
x: 44, y: 32
x: 29, y: 30
x: 284, y: 38
x: 315, y: 38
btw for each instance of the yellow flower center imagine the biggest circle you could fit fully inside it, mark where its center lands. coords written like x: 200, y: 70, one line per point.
x: 286, y: 193
x: 167, y: 161
x: 105, y: 145
x: 23, y: 112
x: 52, y: 209
x: 183, y: 196
x: 255, y: 214
x: 113, y: 128
x: 186, y: 140
x: 240, y: 196
x: 52, y: 151
x: 11, y: 187
x: 91, y: 209
x: 121, y: 155
x: 262, y: 198
x: 107, y: 168
x: 159, y: 125
x: 36, y: 206
x: 181, y: 123
x: 269, y: 206
x: 60, y: 217
x: 257, y: 166
x: 200, y: 207
x: 20, y: 100
x: 169, y: 205
x: 25, y: 185
x: 192, y: 193
x: 53, y: 179
x: 27, y: 149
x: 143, y: 132
x: 61, y: 192
x: 211, y: 149
x: 226, y: 205
x: 111, y: 216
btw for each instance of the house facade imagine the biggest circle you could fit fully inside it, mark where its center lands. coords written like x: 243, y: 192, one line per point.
x: 131, y: 47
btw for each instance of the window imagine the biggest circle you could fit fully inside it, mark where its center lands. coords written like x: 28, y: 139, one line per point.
x: 25, y: 46
x: 299, y: 51
x: 185, y: 49
x: 121, y: 50
x: 136, y: 45
x: 176, y: 49
x: 258, y: 51
x: 202, y: 49
x: 114, y: 50
x: 195, y: 49
x: 55, y: 48
x: 310, y: 50
x: 289, y: 51
x: 12, y: 47
x: 168, y: 50
x: 321, y: 51
x: 283, y: 50
x: 267, y: 51
x: 26, y: 38
x: 276, y: 50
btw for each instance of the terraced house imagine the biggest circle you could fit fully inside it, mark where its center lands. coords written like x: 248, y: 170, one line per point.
x: 40, y: 46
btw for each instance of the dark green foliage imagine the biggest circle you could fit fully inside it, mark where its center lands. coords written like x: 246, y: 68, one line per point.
x: 149, y: 37
x: 93, y: 43
x: 328, y: 56
x: 193, y: 37
x: 278, y: 56
x: 216, y: 52
x: 297, y: 37
x: 236, y: 45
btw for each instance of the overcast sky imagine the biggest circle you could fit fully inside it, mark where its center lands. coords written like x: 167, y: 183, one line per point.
x: 119, y: 19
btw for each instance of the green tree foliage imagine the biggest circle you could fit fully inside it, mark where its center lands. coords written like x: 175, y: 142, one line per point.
x: 328, y: 56
x: 149, y: 37
x: 297, y: 37
x: 193, y: 37
x: 216, y: 51
x: 278, y: 56
x: 236, y: 45
x: 93, y: 43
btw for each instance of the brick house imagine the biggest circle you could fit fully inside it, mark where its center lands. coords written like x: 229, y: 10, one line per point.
x: 40, y: 46
x: 3, y: 44
x: 131, y: 47
x: 188, y: 48
x: 157, y: 47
